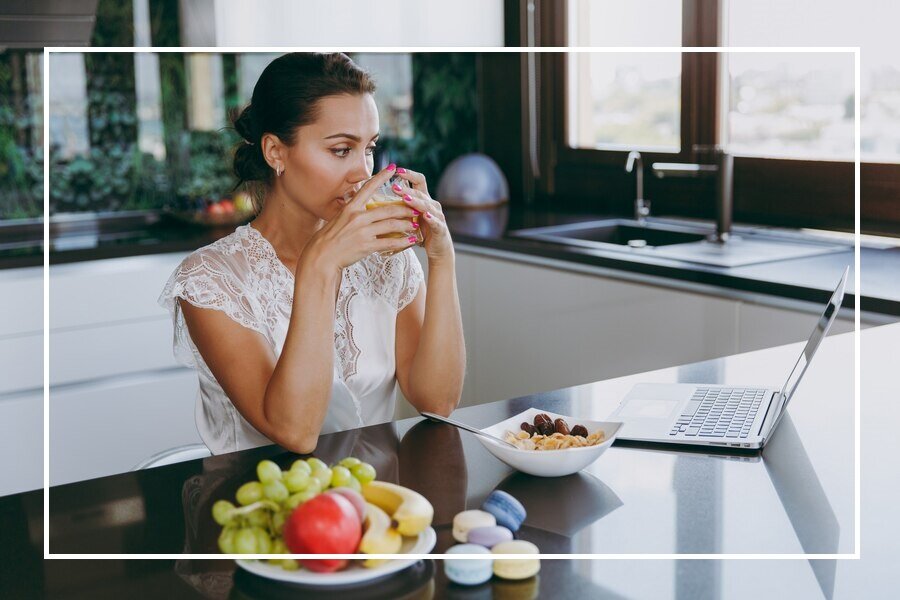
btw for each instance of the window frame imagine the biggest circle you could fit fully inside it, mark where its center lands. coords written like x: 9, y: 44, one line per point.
x: 778, y: 192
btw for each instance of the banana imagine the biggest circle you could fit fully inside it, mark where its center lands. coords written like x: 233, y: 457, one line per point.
x: 379, y: 537
x: 409, y: 509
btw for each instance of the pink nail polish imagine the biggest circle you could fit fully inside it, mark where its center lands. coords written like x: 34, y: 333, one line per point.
x: 391, y: 167
x: 411, y: 239
x: 428, y: 215
x: 417, y: 213
x: 397, y: 188
x: 407, y: 198
x: 401, y: 170
x: 415, y: 225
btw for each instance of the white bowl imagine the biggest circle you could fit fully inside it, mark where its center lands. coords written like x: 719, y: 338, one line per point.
x: 548, y: 463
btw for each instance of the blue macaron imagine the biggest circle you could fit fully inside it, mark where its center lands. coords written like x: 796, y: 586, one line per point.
x: 508, y: 511
x: 469, y: 571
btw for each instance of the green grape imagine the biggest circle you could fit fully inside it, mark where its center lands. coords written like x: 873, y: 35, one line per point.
x: 249, y: 493
x: 299, y: 498
x: 278, y: 520
x: 301, y: 465
x: 223, y: 511
x: 364, y: 472
x: 354, y: 484
x: 263, y: 541
x: 350, y: 462
x: 268, y: 471
x: 258, y: 518
x: 314, y: 463
x: 226, y: 540
x: 323, y: 474
x: 289, y: 564
x: 275, y: 490
x: 278, y: 547
x: 315, y: 485
x: 340, y: 476
x: 296, y: 481
x: 245, y: 541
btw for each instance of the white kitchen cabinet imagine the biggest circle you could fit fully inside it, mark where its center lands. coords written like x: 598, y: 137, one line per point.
x: 767, y: 326
x: 538, y: 328
x: 21, y: 379
x: 90, y: 353
x: 101, y: 292
x: 104, y: 428
x: 22, y: 432
x: 117, y: 396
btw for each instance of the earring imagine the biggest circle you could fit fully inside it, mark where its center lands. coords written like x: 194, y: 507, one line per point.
x: 279, y: 170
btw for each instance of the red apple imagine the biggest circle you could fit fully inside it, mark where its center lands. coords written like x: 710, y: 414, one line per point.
x: 227, y: 206
x: 215, y: 209
x: 325, y: 524
x: 355, y: 498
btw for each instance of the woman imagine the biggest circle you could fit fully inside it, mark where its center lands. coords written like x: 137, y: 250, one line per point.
x: 299, y: 323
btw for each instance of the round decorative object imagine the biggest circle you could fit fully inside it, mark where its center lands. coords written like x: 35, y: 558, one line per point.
x: 472, y: 181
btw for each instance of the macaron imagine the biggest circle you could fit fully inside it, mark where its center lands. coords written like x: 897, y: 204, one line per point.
x: 470, y: 519
x: 516, y: 568
x: 489, y: 536
x: 465, y: 571
x: 508, y: 511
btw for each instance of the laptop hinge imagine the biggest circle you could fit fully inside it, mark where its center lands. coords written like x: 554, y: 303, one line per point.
x: 766, y: 416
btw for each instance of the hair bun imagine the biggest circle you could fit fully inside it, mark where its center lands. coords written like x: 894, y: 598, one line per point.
x: 244, y: 125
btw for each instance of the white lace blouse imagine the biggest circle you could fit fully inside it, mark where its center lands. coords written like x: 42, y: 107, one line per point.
x: 242, y: 276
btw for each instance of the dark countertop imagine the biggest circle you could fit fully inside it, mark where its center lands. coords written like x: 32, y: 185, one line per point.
x: 796, y: 497
x: 806, y: 279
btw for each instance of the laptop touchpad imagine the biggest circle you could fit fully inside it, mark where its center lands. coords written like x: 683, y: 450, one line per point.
x: 648, y: 408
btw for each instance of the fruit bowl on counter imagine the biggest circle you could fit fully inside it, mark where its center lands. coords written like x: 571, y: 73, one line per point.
x: 224, y: 212
x: 550, y: 462
x: 312, y: 508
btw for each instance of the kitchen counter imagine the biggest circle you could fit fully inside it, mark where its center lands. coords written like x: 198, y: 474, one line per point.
x: 796, y: 497
x: 488, y: 232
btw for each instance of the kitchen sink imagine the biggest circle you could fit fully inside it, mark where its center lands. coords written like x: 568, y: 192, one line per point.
x: 613, y: 232
x: 686, y: 242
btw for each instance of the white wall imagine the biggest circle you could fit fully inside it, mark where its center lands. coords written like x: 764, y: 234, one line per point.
x: 335, y: 23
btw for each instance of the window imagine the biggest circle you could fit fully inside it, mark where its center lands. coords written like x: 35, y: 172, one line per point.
x: 787, y: 117
x: 148, y: 145
x: 869, y: 24
x: 795, y: 105
x: 624, y: 100
x: 68, y: 105
x: 21, y: 134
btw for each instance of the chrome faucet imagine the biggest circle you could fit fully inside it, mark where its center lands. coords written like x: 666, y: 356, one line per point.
x: 641, y: 206
x: 723, y: 170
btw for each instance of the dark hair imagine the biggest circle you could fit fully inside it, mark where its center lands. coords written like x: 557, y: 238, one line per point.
x: 286, y: 97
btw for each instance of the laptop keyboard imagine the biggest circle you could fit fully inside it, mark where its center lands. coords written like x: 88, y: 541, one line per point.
x: 719, y: 413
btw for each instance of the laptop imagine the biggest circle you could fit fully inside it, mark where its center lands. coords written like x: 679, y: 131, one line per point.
x: 733, y: 416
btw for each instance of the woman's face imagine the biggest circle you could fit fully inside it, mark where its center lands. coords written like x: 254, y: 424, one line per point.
x: 333, y: 156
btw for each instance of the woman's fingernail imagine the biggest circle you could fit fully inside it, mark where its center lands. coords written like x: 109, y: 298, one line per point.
x: 391, y: 167
x: 412, y: 239
x: 401, y: 170
x: 415, y: 225
x: 416, y: 213
x: 397, y: 188
x: 428, y: 215
x: 407, y: 197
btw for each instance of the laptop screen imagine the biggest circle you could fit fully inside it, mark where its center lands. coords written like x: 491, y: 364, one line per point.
x: 822, y: 327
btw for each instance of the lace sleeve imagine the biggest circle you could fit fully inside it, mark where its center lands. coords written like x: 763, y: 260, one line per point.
x: 205, y: 280
x: 412, y: 275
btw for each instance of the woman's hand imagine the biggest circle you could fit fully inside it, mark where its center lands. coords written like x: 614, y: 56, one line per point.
x: 438, y: 245
x: 352, y: 235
